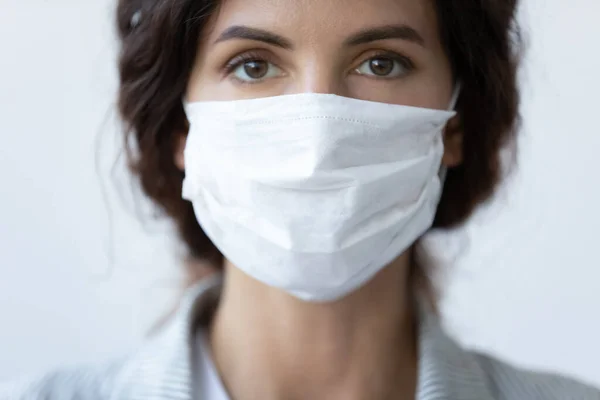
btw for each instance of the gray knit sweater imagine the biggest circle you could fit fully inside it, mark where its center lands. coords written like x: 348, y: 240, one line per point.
x: 163, y: 369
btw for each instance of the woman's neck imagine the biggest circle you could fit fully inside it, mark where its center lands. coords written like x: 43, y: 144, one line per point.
x: 270, y: 345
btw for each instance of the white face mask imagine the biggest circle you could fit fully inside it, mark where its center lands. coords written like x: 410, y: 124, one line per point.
x: 313, y: 193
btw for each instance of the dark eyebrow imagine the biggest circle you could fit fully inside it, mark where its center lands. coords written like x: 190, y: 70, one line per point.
x: 386, y: 32
x: 245, y: 32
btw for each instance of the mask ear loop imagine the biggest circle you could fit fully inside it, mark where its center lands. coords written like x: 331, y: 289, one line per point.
x: 453, y: 100
x: 455, y: 96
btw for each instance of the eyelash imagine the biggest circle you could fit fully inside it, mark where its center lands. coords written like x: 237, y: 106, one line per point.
x: 239, y: 60
x: 248, y: 56
x: 403, y: 60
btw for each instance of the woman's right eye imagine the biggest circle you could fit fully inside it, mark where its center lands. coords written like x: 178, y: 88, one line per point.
x: 255, y: 70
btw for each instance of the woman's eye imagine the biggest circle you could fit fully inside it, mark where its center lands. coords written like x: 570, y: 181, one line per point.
x: 383, y: 67
x: 255, y: 70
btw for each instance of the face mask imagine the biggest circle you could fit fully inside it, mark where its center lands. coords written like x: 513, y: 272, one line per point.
x: 313, y: 193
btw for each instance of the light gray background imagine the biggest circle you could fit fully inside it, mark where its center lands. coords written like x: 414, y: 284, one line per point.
x: 84, y: 275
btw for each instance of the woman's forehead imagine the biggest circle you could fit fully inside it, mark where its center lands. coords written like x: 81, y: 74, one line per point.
x: 316, y: 20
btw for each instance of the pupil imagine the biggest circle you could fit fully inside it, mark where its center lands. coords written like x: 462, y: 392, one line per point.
x: 382, y: 66
x: 256, y: 69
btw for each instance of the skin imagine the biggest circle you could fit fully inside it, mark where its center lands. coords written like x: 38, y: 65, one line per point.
x: 265, y: 343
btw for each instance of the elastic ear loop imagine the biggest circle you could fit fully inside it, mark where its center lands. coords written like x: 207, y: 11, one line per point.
x: 455, y: 95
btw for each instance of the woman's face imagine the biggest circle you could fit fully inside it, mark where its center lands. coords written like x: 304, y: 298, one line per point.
x: 379, y: 50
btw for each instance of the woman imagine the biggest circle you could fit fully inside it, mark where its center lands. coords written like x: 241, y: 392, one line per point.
x: 303, y: 147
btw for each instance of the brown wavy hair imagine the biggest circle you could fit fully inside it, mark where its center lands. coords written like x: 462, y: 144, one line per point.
x: 157, y: 53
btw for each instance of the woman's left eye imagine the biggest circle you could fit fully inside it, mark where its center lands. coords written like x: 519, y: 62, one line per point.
x: 384, y: 67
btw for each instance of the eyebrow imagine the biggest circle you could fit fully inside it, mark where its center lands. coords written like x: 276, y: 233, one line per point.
x: 247, y: 33
x: 404, y: 32
x: 386, y: 32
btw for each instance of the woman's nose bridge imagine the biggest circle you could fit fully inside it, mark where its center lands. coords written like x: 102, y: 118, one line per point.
x: 320, y: 77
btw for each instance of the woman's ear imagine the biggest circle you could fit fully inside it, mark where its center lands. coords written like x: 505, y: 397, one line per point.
x: 178, y: 150
x: 453, y: 143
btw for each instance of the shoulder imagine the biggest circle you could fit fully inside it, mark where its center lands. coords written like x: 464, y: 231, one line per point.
x: 159, y: 368
x: 81, y: 383
x: 508, y: 382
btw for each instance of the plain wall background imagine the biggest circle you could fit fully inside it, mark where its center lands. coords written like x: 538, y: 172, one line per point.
x: 84, y: 275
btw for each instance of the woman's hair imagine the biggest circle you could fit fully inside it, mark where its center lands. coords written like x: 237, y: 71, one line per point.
x: 158, y: 51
